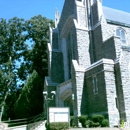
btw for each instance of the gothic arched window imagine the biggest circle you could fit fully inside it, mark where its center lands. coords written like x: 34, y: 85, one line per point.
x: 121, y: 33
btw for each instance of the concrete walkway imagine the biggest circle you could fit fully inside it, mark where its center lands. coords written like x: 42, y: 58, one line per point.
x: 99, y: 129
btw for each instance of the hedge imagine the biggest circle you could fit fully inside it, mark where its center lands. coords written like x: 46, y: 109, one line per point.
x: 58, y: 126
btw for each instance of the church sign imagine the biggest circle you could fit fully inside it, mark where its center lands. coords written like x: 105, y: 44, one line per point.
x: 57, y: 114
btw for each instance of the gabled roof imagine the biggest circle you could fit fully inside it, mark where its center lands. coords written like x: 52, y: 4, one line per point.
x: 116, y: 16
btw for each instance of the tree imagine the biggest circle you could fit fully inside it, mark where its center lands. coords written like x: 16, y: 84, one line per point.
x: 11, y: 51
x: 30, y: 100
x: 38, y: 32
x: 9, y: 112
x: 18, y: 59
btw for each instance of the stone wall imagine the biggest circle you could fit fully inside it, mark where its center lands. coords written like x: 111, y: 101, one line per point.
x: 120, y: 95
x: 109, y: 51
x: 83, y: 46
x: 95, y: 14
x: 102, y: 102
x: 110, y: 48
x: 113, y: 114
x: 97, y: 43
x: 68, y: 10
x: 81, y: 14
x: 95, y: 103
x: 57, y: 72
x: 107, y: 29
x: 65, y: 58
x: 125, y: 78
x: 113, y: 31
x: 55, y: 39
x: 77, y: 87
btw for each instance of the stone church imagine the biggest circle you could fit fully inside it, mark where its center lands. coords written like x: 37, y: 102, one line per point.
x: 89, y: 60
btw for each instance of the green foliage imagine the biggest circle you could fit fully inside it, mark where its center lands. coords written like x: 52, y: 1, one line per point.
x: 58, y: 126
x: 97, y: 118
x: 72, y: 121
x: 105, y: 123
x: 82, y: 120
x: 94, y: 124
x: 122, y: 123
x: 11, y: 99
x: 18, y: 59
x: 31, y: 98
x: 11, y: 48
x: 38, y: 32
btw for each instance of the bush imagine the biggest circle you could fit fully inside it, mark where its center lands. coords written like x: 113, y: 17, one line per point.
x: 94, y: 124
x: 105, y: 123
x: 97, y: 118
x: 88, y: 123
x: 72, y: 121
x: 58, y: 126
x: 82, y: 120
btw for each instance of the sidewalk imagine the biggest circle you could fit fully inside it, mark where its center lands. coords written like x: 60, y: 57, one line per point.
x: 99, y: 129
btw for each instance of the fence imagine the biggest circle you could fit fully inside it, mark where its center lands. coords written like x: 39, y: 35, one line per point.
x: 27, y: 123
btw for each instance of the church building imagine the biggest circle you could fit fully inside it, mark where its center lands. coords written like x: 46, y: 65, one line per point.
x: 89, y: 60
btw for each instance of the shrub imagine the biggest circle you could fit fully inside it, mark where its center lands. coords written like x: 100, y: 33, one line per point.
x: 58, y: 126
x: 46, y: 125
x: 97, y: 118
x: 105, y: 123
x: 94, y: 124
x: 88, y: 123
x: 82, y: 120
x: 72, y: 121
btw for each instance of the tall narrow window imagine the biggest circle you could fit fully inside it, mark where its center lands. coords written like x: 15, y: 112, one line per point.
x: 121, y: 33
x: 69, y: 55
x: 123, y: 38
x: 95, y: 87
x: 116, y: 100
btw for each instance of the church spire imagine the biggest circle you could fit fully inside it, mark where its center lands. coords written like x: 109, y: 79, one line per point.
x: 94, y: 1
x: 57, y: 17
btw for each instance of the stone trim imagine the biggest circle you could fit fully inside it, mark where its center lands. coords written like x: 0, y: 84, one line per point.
x: 66, y: 94
x: 96, y: 25
x: 67, y: 23
x: 86, y: 77
x: 49, y: 47
x: 117, y: 23
x: 102, y: 61
x: 77, y: 68
x: 79, y: 27
x: 64, y: 83
x: 65, y: 90
x: 126, y: 48
x: 110, y: 38
x: 79, y: 3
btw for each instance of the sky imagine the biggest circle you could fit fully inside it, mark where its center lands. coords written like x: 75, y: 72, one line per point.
x: 29, y: 8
